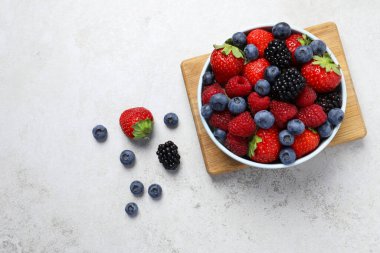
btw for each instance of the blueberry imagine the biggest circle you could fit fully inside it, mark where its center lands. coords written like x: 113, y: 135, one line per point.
x: 171, y: 120
x: 262, y: 87
x: 237, y: 105
x: 219, y: 102
x: 335, y: 116
x: 131, y: 209
x: 206, y: 111
x: 208, y: 78
x: 155, y: 191
x: 100, y: 133
x: 127, y: 157
x: 239, y: 39
x: 220, y: 135
x: 251, y: 52
x: 318, y: 47
x: 296, y: 126
x: 325, y: 130
x: 287, y: 156
x: 137, y: 188
x: 281, y: 31
x: 286, y: 138
x: 271, y: 73
x: 303, y: 54
x: 264, y: 119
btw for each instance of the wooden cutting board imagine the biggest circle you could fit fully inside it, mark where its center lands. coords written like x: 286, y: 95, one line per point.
x: 216, y: 161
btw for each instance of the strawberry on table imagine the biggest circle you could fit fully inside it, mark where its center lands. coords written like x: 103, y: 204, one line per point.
x: 322, y: 74
x: 306, y: 142
x: 210, y: 91
x: 242, y: 125
x: 226, y: 61
x: 282, y: 112
x: 260, y: 38
x: 265, y: 146
x: 312, y: 115
x: 254, y: 71
x: 237, y: 145
x: 136, y: 123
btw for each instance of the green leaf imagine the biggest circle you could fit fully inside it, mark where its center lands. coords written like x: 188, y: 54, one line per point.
x: 227, y: 49
x: 237, y: 52
x: 229, y: 41
x: 142, y: 129
x: 253, y: 145
x: 304, y: 40
x: 313, y: 130
x: 327, y: 63
x: 218, y: 46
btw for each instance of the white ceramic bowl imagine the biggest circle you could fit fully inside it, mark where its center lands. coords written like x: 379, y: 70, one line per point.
x: 321, y: 146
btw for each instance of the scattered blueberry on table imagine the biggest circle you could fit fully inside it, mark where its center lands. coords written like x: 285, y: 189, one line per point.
x: 155, y: 191
x: 131, y: 209
x: 137, y: 188
x: 171, y: 120
x: 127, y: 157
x: 100, y: 133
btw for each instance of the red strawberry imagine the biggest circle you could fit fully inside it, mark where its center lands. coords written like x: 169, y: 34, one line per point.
x: 226, y: 61
x: 238, y: 86
x: 306, y: 97
x: 322, y: 74
x: 312, y: 115
x: 242, y: 125
x: 296, y: 40
x: 257, y: 103
x: 305, y: 142
x: 265, y: 146
x: 260, y: 38
x: 221, y: 119
x: 237, y: 145
x: 254, y: 70
x: 136, y: 123
x: 282, y: 112
x: 210, y: 91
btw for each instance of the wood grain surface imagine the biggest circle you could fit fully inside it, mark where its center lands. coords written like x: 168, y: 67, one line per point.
x: 216, y: 161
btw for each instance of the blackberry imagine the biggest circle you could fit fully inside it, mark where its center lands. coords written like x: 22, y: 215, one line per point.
x: 278, y: 54
x: 288, y: 85
x: 330, y: 100
x: 168, y: 155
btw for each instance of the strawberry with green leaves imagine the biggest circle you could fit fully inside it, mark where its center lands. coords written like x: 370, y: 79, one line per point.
x: 226, y: 61
x: 322, y: 74
x: 136, y: 123
x: 265, y: 146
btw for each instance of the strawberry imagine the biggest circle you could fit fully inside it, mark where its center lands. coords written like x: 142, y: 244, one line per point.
x: 136, y: 123
x: 237, y: 145
x: 238, y: 86
x: 305, y: 142
x: 282, y: 112
x: 257, y: 103
x: 322, y: 74
x: 242, y: 125
x: 254, y: 70
x: 306, y: 97
x: 226, y: 61
x: 221, y: 119
x: 294, y: 41
x: 312, y: 115
x: 260, y: 38
x: 210, y: 91
x: 265, y: 146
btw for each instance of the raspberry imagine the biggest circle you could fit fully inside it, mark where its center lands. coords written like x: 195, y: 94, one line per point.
x: 221, y: 119
x: 312, y: 115
x: 210, y: 91
x: 237, y: 145
x: 238, y: 86
x: 242, y: 125
x: 257, y: 103
x: 282, y: 112
x: 306, y: 97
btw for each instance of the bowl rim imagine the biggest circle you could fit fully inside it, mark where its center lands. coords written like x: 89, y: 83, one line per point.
x: 321, y: 147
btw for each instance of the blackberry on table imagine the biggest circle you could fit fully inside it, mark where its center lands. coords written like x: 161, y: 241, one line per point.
x: 278, y: 54
x: 168, y: 155
x: 288, y: 86
x: 330, y: 100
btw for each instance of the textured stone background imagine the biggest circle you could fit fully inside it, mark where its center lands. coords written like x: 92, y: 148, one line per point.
x: 66, y: 66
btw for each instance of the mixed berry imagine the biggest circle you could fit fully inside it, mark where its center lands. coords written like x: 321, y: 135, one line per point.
x: 272, y: 95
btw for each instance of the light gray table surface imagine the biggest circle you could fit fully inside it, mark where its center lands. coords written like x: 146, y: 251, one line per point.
x: 66, y: 66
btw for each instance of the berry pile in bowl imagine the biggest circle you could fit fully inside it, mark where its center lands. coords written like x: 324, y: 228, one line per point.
x: 272, y: 96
